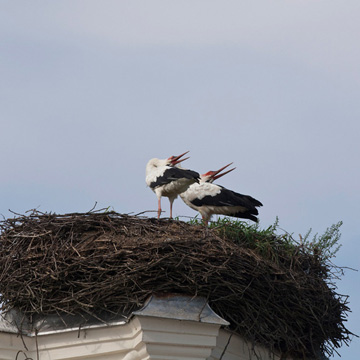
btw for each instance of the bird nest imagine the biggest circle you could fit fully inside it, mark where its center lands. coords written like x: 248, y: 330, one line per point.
x: 95, y: 262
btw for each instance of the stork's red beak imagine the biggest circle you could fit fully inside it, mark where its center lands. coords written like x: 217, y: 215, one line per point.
x: 176, y: 159
x: 215, y: 174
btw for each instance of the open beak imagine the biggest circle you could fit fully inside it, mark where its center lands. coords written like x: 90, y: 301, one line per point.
x: 176, y: 159
x: 216, y: 174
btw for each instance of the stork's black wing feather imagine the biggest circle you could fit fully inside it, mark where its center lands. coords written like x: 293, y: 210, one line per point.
x: 174, y: 173
x: 228, y: 197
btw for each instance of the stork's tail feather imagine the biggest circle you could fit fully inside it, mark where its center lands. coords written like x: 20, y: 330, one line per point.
x: 246, y: 215
x: 251, y: 201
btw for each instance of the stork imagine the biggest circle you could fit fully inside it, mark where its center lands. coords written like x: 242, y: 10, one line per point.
x: 208, y: 199
x: 165, y: 179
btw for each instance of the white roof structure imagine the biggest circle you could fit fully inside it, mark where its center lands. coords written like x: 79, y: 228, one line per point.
x: 166, y: 328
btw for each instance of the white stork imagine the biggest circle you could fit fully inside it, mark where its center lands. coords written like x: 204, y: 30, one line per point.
x: 208, y: 199
x: 167, y: 180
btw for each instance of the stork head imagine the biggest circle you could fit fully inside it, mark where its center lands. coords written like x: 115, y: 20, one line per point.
x: 211, y: 176
x: 173, y: 160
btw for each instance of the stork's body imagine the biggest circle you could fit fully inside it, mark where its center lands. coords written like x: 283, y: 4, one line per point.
x: 208, y: 199
x: 167, y: 180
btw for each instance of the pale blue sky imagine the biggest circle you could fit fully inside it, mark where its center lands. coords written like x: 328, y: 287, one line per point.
x: 90, y: 90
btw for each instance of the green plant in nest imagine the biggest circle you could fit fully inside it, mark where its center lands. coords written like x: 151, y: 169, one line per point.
x: 269, y: 243
x: 326, y: 245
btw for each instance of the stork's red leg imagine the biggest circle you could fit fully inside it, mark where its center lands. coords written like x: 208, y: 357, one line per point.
x: 171, y: 204
x: 159, y: 207
x: 205, y: 221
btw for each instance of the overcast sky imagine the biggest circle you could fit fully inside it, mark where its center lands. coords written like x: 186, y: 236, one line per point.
x: 91, y: 90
